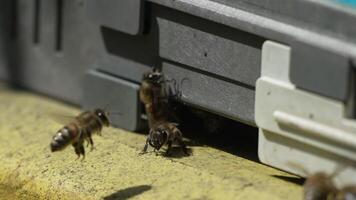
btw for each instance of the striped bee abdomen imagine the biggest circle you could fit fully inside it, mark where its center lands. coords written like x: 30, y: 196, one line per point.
x: 64, y: 137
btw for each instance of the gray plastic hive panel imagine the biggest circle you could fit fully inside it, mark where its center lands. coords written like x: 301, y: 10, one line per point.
x: 101, y: 90
x: 5, y: 35
x: 66, y: 45
x: 217, y: 43
x: 320, y: 71
x: 129, y: 56
x: 324, y: 13
x: 218, y: 96
x: 209, y: 47
x: 275, y: 23
x: 122, y: 15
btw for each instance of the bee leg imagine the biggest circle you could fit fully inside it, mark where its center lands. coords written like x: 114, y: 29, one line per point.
x: 144, y: 150
x: 178, y: 92
x: 169, y: 147
x: 90, y: 142
x: 179, y: 138
x: 182, y: 145
x: 76, y: 150
x: 79, y: 149
x: 82, y: 151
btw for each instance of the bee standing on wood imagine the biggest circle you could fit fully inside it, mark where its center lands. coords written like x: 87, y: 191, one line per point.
x: 165, y: 133
x: 80, y: 129
x: 155, y: 99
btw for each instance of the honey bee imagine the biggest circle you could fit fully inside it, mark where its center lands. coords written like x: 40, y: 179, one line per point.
x: 80, y: 129
x: 165, y: 133
x: 320, y: 186
x: 153, y: 96
x: 162, y: 130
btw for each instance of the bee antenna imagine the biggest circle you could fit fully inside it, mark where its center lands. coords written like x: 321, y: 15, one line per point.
x: 109, y: 104
x: 171, y: 81
x: 155, y: 69
x: 105, y: 107
x: 114, y: 113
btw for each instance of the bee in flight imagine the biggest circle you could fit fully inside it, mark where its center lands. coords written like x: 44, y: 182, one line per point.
x: 320, y: 185
x: 80, y: 129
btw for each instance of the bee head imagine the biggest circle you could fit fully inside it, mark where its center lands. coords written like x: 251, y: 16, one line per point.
x: 103, y: 116
x: 158, y: 138
x: 154, y: 76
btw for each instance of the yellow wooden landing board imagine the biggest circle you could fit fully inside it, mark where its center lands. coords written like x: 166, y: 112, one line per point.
x: 28, y: 169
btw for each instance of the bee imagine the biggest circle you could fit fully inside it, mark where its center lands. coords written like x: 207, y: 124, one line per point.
x: 80, y: 129
x: 320, y: 186
x: 153, y: 96
x: 151, y: 86
x: 165, y: 133
x: 158, y: 109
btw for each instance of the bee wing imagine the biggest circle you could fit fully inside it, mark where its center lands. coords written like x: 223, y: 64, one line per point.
x: 173, y: 124
x: 62, y: 118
